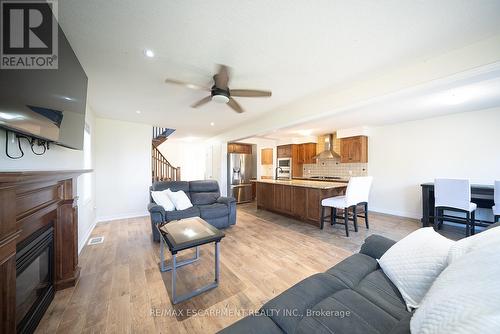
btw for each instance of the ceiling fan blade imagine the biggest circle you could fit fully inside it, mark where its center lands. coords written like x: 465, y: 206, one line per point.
x: 250, y: 93
x: 202, y: 102
x: 186, y: 84
x: 222, y: 77
x: 235, y: 105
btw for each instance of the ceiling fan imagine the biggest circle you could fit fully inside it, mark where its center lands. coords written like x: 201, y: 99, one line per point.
x: 220, y: 91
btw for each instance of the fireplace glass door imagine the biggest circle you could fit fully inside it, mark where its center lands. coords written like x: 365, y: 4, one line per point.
x: 34, y: 281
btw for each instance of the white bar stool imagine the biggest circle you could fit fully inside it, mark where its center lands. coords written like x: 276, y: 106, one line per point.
x: 496, y: 208
x: 454, y: 195
x: 358, y: 190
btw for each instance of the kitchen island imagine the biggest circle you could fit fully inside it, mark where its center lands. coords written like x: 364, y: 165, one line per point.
x: 299, y: 199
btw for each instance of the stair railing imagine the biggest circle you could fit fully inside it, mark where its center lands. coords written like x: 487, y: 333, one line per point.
x: 162, y: 170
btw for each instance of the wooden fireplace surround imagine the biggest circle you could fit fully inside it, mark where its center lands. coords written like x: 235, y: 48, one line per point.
x: 30, y: 201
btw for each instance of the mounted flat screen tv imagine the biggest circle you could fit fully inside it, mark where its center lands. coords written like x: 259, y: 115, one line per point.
x: 48, y: 104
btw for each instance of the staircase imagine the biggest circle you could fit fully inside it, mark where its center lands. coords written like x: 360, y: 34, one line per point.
x: 161, y: 169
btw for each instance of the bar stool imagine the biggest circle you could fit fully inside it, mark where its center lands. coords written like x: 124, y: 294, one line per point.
x: 358, y: 190
x: 454, y: 195
x: 496, y: 196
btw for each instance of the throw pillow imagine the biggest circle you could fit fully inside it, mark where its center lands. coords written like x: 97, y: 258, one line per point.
x: 484, y: 239
x: 413, y: 263
x: 161, y: 198
x: 464, y: 298
x: 180, y: 199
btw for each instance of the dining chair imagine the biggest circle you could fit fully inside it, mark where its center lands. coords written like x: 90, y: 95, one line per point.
x: 357, y: 193
x: 454, y: 195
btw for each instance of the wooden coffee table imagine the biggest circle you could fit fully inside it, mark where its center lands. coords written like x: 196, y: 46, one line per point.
x: 185, y: 234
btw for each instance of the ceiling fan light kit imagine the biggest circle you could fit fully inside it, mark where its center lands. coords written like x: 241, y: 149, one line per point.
x: 220, y: 91
x: 220, y: 98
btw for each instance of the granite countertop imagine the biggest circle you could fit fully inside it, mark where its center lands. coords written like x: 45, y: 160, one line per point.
x: 305, y: 183
x: 344, y: 179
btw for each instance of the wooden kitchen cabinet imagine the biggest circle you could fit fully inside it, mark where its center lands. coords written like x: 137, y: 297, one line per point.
x: 300, y: 153
x: 299, y: 202
x: 239, y: 148
x: 282, y: 198
x: 308, y: 152
x: 266, y: 156
x: 265, y: 195
x: 354, y: 149
x: 284, y: 151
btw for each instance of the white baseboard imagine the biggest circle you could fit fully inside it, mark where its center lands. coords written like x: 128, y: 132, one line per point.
x: 396, y: 213
x: 107, y: 218
x: 82, y: 243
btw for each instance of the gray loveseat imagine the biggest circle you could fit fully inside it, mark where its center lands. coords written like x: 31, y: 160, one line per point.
x: 355, y: 296
x: 207, y: 204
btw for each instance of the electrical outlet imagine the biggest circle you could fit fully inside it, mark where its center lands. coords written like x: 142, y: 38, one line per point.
x: 350, y: 172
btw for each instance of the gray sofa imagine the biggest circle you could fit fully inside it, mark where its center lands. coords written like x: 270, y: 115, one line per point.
x: 364, y: 299
x: 207, y: 204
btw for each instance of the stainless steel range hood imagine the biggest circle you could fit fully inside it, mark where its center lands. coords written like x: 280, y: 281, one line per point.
x: 328, y: 152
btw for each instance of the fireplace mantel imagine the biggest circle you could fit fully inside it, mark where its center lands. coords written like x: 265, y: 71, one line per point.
x: 30, y: 201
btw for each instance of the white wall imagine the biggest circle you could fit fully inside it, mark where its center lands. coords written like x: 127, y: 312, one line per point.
x: 59, y: 158
x: 402, y: 156
x: 216, y: 164
x: 190, y: 156
x: 123, y: 169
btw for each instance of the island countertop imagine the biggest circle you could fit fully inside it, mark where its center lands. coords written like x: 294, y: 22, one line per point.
x: 299, y: 199
x: 305, y: 183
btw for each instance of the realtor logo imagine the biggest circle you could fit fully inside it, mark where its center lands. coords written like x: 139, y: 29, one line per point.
x: 29, y: 34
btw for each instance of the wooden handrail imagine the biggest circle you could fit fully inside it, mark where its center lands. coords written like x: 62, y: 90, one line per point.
x: 162, y: 170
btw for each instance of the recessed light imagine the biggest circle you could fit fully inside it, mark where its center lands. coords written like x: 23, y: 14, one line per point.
x: 137, y: 111
x: 149, y: 53
x: 212, y: 123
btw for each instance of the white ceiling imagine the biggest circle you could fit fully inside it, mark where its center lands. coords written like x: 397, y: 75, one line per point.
x: 473, y: 91
x: 294, y: 48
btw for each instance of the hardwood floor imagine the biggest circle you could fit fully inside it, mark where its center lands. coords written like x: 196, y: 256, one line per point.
x: 121, y: 289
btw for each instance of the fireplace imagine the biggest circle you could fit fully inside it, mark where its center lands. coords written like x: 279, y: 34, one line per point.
x: 34, y: 278
x: 38, y: 243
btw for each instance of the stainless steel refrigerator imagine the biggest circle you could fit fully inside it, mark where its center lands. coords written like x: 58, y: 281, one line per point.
x: 240, y: 172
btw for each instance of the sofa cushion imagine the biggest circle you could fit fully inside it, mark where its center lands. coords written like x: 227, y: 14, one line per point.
x: 288, y: 308
x: 256, y: 324
x: 180, y: 199
x: 413, y: 268
x: 204, y: 192
x: 204, y: 198
x: 347, y: 311
x: 376, y: 245
x: 203, y: 186
x: 465, y: 297
x: 353, y: 269
x: 172, y: 185
x: 181, y: 214
x: 215, y: 210
x: 487, y: 238
x: 161, y: 198
x: 378, y: 288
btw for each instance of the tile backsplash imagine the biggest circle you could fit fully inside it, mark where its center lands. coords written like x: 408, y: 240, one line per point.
x: 333, y: 167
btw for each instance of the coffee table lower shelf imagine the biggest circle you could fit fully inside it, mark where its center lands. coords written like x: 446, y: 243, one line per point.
x: 173, y: 267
